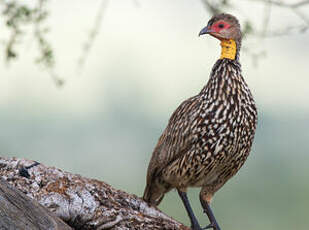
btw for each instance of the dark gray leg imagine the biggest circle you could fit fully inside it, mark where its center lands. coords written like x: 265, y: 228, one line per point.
x: 213, y: 223
x: 194, y: 223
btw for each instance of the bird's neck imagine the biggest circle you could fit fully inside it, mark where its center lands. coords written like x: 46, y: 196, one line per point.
x: 224, y: 77
x: 228, y: 49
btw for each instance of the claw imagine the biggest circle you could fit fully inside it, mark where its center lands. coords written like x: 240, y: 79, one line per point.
x: 211, y: 225
x: 197, y: 227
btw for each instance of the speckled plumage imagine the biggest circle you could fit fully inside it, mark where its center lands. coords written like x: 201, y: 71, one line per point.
x: 208, y: 137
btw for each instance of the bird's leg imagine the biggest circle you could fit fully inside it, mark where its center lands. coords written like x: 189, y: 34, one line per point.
x: 194, y: 223
x: 213, y: 223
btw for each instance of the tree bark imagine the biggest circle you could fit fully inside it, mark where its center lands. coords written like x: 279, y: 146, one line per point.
x: 19, y: 212
x: 80, y: 202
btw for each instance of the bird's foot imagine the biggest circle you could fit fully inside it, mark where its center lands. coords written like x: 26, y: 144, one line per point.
x: 23, y: 171
x: 212, y: 225
x: 196, y: 227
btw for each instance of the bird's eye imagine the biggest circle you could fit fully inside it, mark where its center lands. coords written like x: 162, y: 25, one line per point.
x: 221, y: 25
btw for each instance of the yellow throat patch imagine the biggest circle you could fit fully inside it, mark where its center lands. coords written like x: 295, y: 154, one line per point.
x: 228, y: 49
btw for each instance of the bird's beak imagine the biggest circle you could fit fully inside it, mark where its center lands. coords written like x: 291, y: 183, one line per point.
x: 205, y: 30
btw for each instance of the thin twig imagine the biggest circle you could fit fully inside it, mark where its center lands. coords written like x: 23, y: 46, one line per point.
x: 210, y: 7
x: 283, y: 4
x: 92, y: 35
x: 301, y: 3
x: 47, y: 58
x: 301, y: 15
x: 295, y: 7
x: 266, y: 17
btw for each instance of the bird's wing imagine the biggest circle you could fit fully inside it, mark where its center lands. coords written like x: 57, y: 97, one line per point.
x: 177, y: 138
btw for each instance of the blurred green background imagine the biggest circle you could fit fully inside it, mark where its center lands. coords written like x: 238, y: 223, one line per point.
x: 146, y: 59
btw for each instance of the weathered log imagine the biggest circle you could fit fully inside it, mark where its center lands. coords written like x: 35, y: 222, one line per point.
x: 19, y: 212
x: 84, y: 203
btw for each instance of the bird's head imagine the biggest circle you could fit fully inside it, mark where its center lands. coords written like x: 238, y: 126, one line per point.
x: 223, y: 27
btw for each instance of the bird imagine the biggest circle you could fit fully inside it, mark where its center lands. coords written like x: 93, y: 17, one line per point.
x: 209, y: 136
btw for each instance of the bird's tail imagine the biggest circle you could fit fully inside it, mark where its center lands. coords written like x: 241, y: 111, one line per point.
x: 153, y: 194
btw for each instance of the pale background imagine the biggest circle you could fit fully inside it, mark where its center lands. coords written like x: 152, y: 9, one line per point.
x: 147, y: 58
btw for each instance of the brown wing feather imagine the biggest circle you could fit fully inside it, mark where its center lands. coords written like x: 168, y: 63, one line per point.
x: 174, y: 141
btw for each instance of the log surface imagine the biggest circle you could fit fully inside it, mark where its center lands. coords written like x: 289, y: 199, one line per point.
x: 19, y: 212
x: 84, y: 203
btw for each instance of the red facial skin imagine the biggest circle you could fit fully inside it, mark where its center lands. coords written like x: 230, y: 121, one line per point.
x: 217, y: 27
